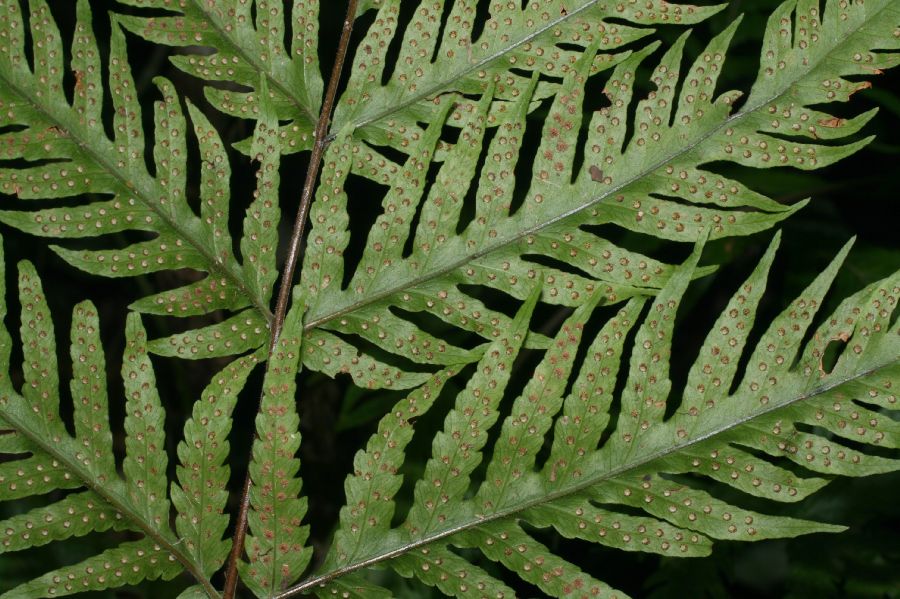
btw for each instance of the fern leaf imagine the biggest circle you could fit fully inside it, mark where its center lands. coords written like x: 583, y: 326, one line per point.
x: 275, y: 544
x: 525, y: 37
x: 145, y: 456
x: 588, y: 169
x: 66, y: 154
x: 631, y: 492
x: 201, y: 495
x: 45, y: 459
x: 476, y: 228
x: 366, y: 517
x: 245, y: 48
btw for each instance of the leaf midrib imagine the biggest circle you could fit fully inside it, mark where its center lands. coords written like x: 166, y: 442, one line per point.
x: 582, y: 485
x: 138, y: 185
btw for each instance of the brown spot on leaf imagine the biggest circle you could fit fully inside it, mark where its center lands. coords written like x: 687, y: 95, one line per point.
x: 862, y: 85
x: 596, y: 173
x: 832, y: 122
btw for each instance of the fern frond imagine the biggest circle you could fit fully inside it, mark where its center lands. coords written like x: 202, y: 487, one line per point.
x: 426, y: 258
x: 631, y: 492
x: 275, y: 545
x: 46, y: 460
x: 476, y: 229
x: 64, y: 153
x: 515, y: 43
x: 244, y: 49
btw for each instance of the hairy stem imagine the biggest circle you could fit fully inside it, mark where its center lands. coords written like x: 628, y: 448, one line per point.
x: 290, y: 265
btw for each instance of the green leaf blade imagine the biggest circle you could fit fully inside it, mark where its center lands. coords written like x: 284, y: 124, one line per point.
x: 145, y: 457
x: 276, y: 541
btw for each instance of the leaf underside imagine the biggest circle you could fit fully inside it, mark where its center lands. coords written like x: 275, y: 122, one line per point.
x: 437, y: 116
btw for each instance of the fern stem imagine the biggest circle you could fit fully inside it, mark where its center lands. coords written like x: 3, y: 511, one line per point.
x: 290, y: 266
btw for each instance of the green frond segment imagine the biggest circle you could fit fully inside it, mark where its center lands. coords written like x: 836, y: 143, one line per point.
x: 245, y: 331
x: 102, y: 185
x: 145, y: 452
x: 260, y: 238
x: 201, y: 495
x: 775, y: 430
x: 388, y: 235
x: 576, y: 518
x: 365, y: 522
x: 638, y: 163
x: 243, y: 48
x: 512, y: 467
x: 329, y: 354
x: 438, y: 54
x: 457, y: 450
x: 804, y: 66
x: 682, y: 506
x: 128, y: 564
x: 275, y: 544
x: 43, y: 459
x: 712, y: 375
x: 366, y: 517
x: 449, y: 573
x: 508, y: 544
x: 585, y: 411
x: 193, y: 592
x: 644, y: 397
x: 39, y: 369
x: 76, y: 515
x: 791, y: 48
x: 353, y: 586
x: 88, y: 388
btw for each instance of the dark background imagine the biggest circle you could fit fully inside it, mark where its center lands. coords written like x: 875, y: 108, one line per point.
x: 857, y: 196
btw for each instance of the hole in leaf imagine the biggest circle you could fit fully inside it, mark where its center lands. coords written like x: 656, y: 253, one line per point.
x: 833, y: 352
x: 433, y: 169
x: 531, y: 142
x: 404, y: 16
x: 364, y: 202
x: 482, y: 14
x: 470, y: 199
